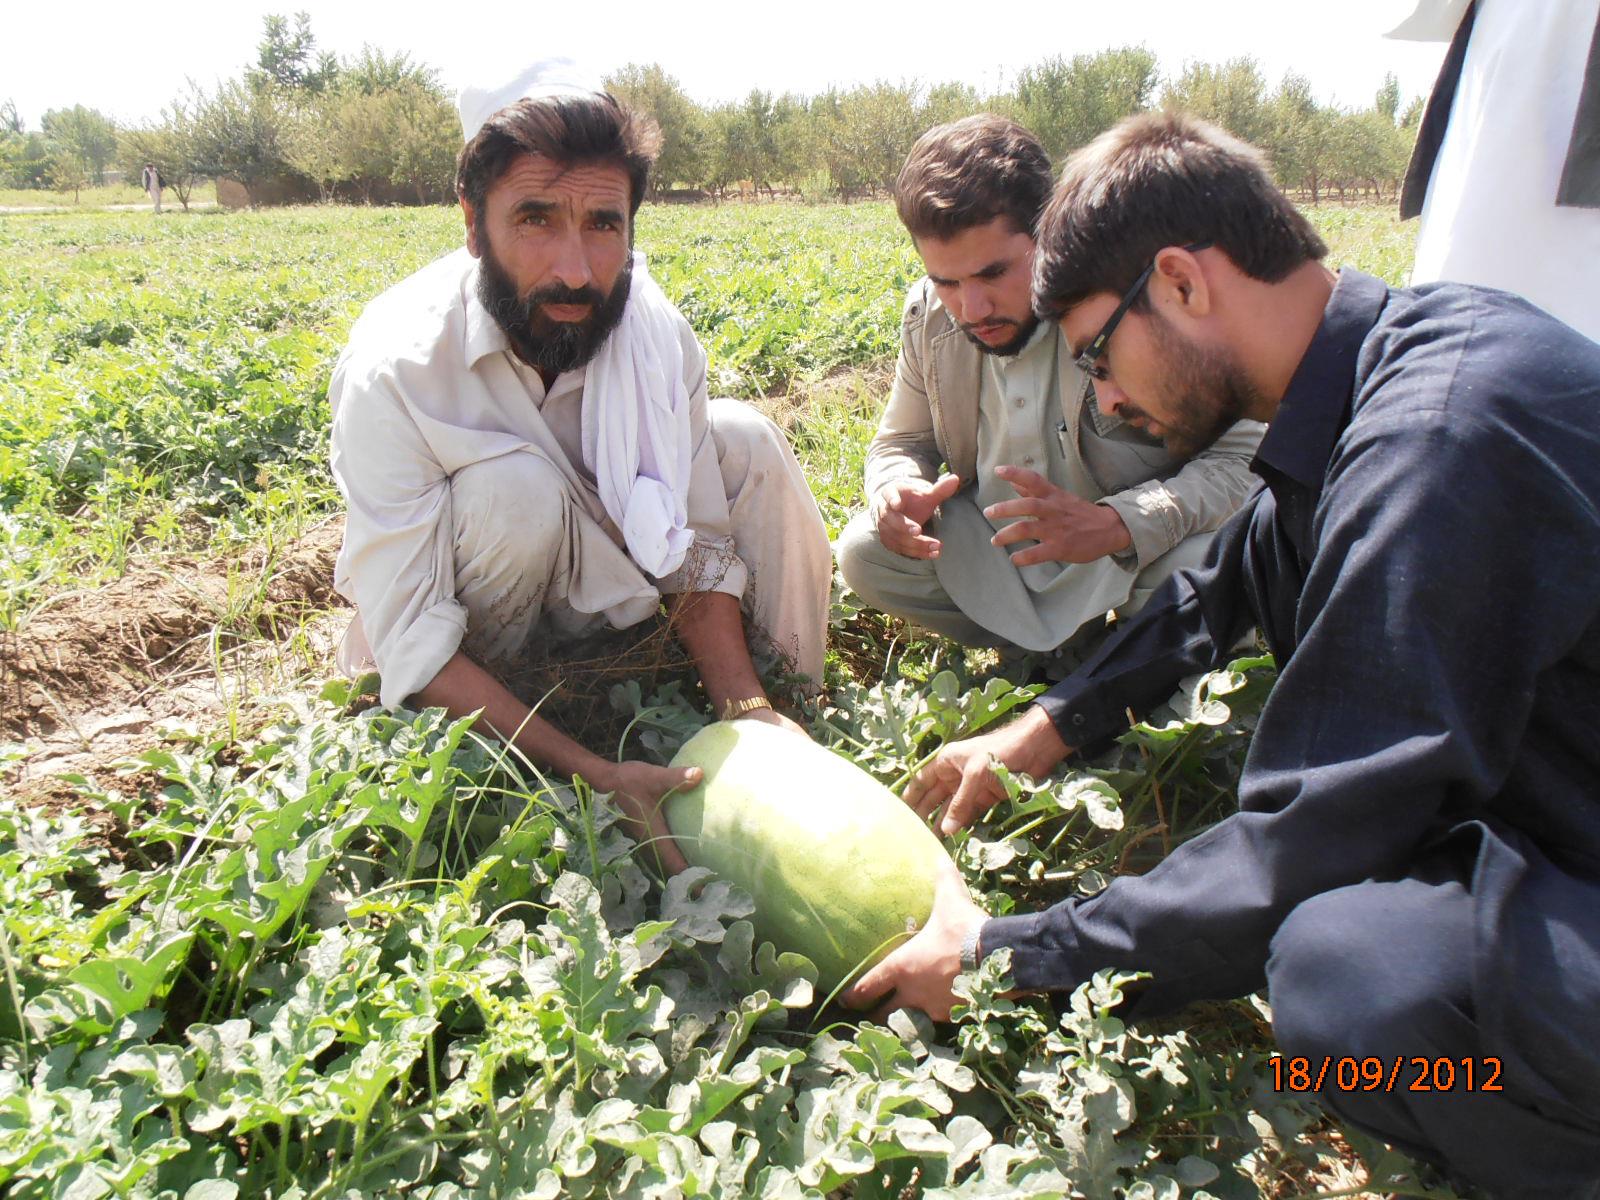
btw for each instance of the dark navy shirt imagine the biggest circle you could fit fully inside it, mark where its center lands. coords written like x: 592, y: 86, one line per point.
x: 1423, y: 558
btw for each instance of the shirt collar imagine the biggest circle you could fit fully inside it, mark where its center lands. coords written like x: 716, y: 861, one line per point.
x: 562, y: 385
x: 481, y: 333
x: 1041, y: 331
x: 1316, y: 406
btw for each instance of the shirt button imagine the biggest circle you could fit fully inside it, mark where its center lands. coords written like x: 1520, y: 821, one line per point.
x: 1079, y: 719
x: 1020, y: 401
x: 1028, y: 462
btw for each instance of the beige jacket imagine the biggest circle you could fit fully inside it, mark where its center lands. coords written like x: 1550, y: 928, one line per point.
x: 932, y: 418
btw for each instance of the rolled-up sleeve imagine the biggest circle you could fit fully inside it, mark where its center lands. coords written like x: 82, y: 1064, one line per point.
x: 712, y: 564
x: 1204, y: 493
x: 397, y: 564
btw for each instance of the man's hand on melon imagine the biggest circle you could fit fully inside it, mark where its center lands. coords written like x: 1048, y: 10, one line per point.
x: 919, y: 973
x: 960, y: 779
x: 638, y: 788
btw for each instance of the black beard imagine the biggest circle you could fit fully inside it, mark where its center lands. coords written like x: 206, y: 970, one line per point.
x: 1210, y: 392
x: 551, y: 347
x: 1006, y: 349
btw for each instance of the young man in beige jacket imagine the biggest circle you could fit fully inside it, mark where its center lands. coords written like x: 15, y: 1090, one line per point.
x: 1048, y: 512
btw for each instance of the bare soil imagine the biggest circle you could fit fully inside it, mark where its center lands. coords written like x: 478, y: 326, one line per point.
x: 89, y: 678
x: 97, y: 676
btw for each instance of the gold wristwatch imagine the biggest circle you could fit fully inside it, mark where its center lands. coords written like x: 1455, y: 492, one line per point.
x: 737, y: 708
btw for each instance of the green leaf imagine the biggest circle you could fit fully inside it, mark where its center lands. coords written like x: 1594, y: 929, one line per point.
x: 168, y: 1070
x: 968, y: 1137
x: 104, y: 990
x: 789, y: 977
x: 697, y: 904
x: 1195, y: 1172
x: 1098, y: 799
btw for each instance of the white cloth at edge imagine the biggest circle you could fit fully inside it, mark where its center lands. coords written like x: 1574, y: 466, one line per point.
x: 427, y: 386
x: 636, y: 431
x: 547, y: 78
x: 1431, y: 21
x: 1490, y: 216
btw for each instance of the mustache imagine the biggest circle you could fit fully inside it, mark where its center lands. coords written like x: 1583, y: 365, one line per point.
x: 560, y: 293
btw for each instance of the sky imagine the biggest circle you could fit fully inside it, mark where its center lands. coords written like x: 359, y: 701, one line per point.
x: 129, y: 59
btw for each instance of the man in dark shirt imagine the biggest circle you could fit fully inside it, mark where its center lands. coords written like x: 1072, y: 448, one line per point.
x: 1415, y: 868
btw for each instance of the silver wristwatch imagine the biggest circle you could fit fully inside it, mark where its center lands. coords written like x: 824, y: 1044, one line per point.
x: 970, y: 955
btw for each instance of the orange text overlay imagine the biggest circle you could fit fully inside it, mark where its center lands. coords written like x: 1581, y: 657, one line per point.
x: 1402, y: 1073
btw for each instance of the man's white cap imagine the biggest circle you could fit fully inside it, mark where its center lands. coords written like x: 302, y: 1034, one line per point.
x: 545, y: 79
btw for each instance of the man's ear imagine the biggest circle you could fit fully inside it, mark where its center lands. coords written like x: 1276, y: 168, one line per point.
x: 1179, y: 280
x: 470, y: 215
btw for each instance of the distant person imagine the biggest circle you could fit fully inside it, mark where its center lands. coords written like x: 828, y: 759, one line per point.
x: 1004, y: 507
x: 523, y: 436
x: 1506, y: 171
x: 153, y: 183
x: 1414, y: 872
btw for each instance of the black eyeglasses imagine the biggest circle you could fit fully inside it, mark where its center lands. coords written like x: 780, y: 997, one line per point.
x: 1088, y: 360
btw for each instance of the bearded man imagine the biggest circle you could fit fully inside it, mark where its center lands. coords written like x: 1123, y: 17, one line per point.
x: 1049, y: 513
x: 522, y: 433
x: 1414, y: 872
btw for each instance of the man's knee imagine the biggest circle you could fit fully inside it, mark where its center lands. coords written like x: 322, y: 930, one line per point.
x: 870, y: 568
x: 856, y: 541
x: 511, y: 509
x: 748, y: 442
x: 1373, y: 970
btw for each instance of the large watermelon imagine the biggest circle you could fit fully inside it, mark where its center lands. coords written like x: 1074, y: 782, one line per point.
x: 840, y: 869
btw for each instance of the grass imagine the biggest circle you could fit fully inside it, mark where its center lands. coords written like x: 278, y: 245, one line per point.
x: 1369, y: 237
x: 102, y: 196
x: 163, y: 384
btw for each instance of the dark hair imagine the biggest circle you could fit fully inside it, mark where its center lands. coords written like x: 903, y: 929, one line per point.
x: 968, y: 173
x: 565, y: 129
x: 1158, y: 180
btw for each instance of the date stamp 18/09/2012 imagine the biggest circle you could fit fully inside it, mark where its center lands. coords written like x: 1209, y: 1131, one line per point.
x: 1408, y: 1073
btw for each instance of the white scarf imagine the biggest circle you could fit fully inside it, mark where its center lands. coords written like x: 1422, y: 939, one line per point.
x: 636, y: 428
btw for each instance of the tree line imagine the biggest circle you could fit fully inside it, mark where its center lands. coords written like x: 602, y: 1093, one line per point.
x: 301, y: 123
x: 852, y: 142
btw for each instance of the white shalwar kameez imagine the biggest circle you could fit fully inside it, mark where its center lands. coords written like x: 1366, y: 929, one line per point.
x: 474, y: 524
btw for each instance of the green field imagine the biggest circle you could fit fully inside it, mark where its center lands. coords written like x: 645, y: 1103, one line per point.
x: 101, y: 196
x: 312, y: 949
